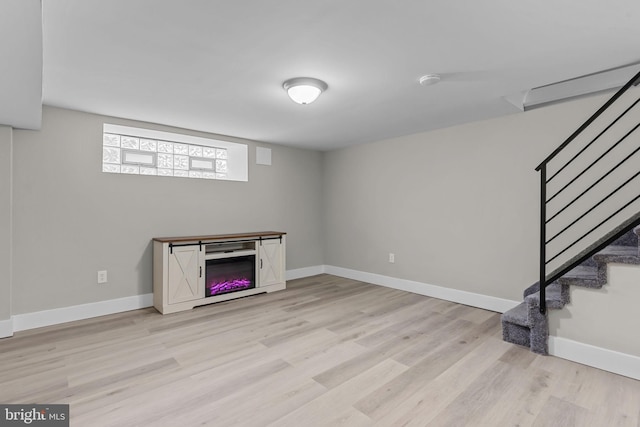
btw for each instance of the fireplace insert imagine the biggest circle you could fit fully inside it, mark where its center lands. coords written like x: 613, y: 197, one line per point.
x: 231, y: 274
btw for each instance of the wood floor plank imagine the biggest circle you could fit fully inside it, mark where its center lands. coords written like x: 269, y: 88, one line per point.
x: 611, y: 399
x: 441, y: 330
x: 113, y: 362
x: 482, y: 396
x: 519, y: 356
x: 558, y: 412
x: 350, y: 368
x: 273, y: 404
x: 527, y: 397
x: 327, y: 351
x: 433, y: 364
x: 417, y: 407
x: 347, y: 418
x: 340, y: 398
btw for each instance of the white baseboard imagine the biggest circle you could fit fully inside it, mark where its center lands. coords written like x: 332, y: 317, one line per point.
x: 299, y: 273
x: 22, y: 322
x: 486, y: 302
x: 6, y: 328
x: 39, y: 319
x: 608, y: 360
x: 597, y: 357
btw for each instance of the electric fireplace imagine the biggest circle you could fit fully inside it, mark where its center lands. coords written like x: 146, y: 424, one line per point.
x: 190, y: 271
x: 232, y: 274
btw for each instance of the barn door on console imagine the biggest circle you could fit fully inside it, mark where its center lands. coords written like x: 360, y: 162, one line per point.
x: 271, y: 262
x: 186, y: 281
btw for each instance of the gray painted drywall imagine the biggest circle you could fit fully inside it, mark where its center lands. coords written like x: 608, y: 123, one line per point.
x: 458, y: 206
x: 71, y: 220
x: 5, y: 221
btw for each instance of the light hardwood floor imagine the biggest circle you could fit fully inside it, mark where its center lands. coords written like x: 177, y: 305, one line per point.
x: 327, y: 351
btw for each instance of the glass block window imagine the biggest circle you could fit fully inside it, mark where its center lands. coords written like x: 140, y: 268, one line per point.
x: 136, y: 151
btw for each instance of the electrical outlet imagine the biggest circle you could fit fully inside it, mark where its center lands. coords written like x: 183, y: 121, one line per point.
x: 392, y: 257
x: 102, y: 276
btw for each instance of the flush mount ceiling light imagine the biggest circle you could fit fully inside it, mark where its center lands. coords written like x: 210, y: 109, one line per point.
x: 429, y: 79
x: 304, y: 90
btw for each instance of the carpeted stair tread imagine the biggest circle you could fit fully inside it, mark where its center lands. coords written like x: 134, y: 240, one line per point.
x: 628, y: 224
x: 618, y: 254
x: 619, y: 250
x: 581, y: 272
x: 525, y: 325
x: 585, y: 283
x: 519, y: 315
x: 556, y: 295
x: 627, y: 244
x: 630, y: 238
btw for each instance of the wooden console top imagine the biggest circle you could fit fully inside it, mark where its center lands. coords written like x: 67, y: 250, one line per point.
x: 255, y: 235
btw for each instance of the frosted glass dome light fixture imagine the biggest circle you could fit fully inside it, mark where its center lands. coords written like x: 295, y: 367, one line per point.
x: 429, y: 79
x: 304, y: 90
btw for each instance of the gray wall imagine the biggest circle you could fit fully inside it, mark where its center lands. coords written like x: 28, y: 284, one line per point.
x: 5, y: 221
x: 606, y: 317
x: 458, y: 206
x: 71, y: 220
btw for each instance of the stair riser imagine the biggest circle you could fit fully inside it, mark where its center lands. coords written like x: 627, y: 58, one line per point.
x: 535, y: 337
x: 629, y: 239
x: 585, y: 283
x: 516, y: 334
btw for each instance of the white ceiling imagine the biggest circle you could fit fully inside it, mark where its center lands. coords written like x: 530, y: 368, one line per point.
x: 218, y: 66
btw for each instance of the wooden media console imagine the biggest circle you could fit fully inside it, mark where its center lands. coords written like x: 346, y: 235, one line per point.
x: 196, y: 270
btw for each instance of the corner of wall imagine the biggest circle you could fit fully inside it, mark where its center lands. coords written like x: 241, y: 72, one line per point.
x: 6, y: 230
x: 6, y: 328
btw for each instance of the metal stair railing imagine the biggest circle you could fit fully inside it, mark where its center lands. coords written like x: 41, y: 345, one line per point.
x: 620, y: 140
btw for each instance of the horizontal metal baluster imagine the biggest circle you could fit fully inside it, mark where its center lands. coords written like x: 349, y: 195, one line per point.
x: 594, y: 162
x: 633, y: 82
x: 594, y: 228
x: 594, y: 206
x: 593, y: 140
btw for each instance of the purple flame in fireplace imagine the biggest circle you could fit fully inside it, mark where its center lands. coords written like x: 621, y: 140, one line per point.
x: 228, y: 286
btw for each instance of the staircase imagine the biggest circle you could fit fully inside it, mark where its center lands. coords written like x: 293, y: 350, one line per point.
x: 589, y: 214
x: 525, y: 325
